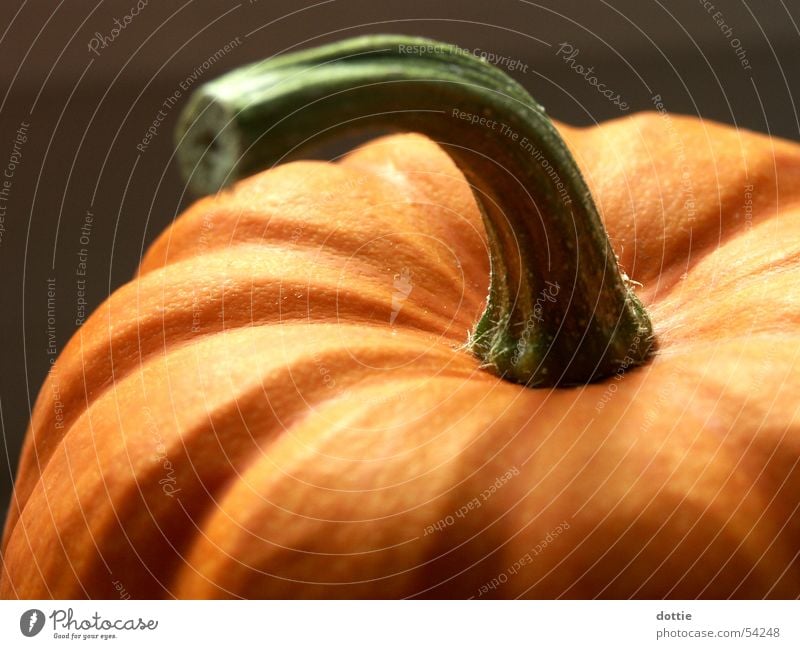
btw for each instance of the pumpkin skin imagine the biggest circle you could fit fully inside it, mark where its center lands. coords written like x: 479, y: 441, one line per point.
x: 206, y: 377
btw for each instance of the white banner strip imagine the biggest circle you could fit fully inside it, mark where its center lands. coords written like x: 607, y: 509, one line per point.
x: 400, y: 624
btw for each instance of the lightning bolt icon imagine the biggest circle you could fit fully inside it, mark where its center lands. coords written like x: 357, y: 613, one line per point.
x: 32, y: 621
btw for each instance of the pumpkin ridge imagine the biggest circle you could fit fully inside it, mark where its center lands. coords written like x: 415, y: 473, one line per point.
x: 335, y: 245
x: 224, y: 410
x: 619, y: 153
x: 138, y: 331
x: 368, y: 275
x: 297, y: 546
x: 298, y: 551
x: 415, y: 342
x: 763, y: 303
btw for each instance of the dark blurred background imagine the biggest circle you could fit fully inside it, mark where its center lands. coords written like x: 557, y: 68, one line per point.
x: 83, y: 113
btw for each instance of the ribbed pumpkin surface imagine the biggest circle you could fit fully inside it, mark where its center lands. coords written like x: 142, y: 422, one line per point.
x: 279, y: 405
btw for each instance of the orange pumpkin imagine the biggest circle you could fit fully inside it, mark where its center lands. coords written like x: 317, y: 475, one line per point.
x: 282, y: 403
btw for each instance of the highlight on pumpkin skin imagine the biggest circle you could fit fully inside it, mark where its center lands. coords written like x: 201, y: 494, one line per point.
x: 559, y: 311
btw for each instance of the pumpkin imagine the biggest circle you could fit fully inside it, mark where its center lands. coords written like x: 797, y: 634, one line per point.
x: 293, y: 399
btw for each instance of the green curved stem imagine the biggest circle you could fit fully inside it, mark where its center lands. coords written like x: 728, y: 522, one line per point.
x: 559, y: 310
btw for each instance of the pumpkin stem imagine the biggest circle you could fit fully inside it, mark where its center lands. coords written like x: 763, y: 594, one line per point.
x: 559, y: 310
